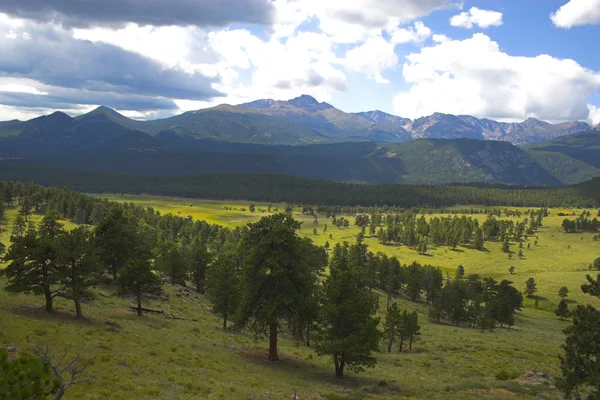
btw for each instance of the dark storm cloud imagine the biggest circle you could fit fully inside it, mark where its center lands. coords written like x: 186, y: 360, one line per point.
x: 66, y: 99
x: 83, y: 13
x: 54, y: 58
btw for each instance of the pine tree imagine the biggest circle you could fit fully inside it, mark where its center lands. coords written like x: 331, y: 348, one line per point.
x: 197, y: 259
x: 171, y: 262
x: 511, y: 269
x: 32, y: 261
x: 117, y: 239
x: 563, y: 292
x: 413, y: 328
x: 392, y: 325
x: 478, y: 239
x: 277, y: 276
x: 137, y: 279
x: 25, y: 377
x: 348, y: 325
x: 530, y: 287
x: 580, y: 361
x: 80, y: 267
x: 562, y: 310
x: 222, y: 280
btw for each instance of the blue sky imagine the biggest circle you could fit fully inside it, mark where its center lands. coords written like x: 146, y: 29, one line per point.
x: 502, y: 59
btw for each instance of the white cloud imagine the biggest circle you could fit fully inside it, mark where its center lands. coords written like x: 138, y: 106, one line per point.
x: 372, y: 57
x: 594, y: 115
x: 439, y: 38
x: 577, y: 12
x: 475, y: 16
x: 474, y: 77
x: 305, y: 63
x: 351, y: 21
x: 13, y: 85
x: 417, y: 34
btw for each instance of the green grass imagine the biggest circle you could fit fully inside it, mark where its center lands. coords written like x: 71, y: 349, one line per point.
x: 152, y: 357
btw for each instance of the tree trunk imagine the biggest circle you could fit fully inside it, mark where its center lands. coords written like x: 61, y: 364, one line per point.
x: 49, y: 299
x: 308, y: 334
x: 389, y: 300
x: 410, y: 344
x: 401, y: 343
x: 61, y: 392
x: 78, y: 313
x: 390, y: 343
x: 273, y: 330
x: 114, y: 272
x: 224, y: 321
x: 139, y: 303
x: 339, y: 367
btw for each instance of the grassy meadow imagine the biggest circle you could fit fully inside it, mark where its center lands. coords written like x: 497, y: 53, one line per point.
x: 156, y: 358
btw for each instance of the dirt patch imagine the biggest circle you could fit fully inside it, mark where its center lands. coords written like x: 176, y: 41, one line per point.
x: 492, y: 392
x: 533, y: 377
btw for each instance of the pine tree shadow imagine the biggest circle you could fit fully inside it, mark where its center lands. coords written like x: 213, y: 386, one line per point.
x: 58, y: 315
x: 309, y: 370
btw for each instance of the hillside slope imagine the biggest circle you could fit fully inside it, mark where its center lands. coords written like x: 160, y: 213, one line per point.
x: 428, y: 161
x: 571, y: 159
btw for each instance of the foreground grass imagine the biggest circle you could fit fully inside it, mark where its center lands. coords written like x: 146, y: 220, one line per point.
x: 153, y: 357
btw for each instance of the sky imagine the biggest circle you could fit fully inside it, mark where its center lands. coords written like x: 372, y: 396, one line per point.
x: 507, y: 60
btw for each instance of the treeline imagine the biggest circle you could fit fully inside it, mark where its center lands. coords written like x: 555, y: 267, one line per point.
x: 412, y: 230
x: 583, y: 223
x: 279, y: 188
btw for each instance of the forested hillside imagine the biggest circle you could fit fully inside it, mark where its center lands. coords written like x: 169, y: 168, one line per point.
x: 275, y: 188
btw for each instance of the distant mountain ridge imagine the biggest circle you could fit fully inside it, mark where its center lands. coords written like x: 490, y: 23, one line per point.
x: 303, y: 120
x: 264, y: 136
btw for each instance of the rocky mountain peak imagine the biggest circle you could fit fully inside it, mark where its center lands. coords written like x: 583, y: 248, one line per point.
x: 306, y: 101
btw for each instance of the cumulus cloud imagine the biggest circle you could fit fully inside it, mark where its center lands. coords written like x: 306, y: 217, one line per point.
x: 473, y: 76
x: 77, y: 71
x: 84, y: 13
x: 577, y: 12
x: 475, y: 16
x: 354, y: 20
x: 372, y: 57
x: 594, y: 115
x: 417, y: 34
x: 304, y: 63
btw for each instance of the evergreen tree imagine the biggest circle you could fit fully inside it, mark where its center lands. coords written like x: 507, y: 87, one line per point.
x: 580, y: 361
x: 562, y: 310
x: 19, y: 226
x: 80, y: 268
x: 511, y: 269
x: 530, y: 287
x: 478, y: 240
x: 137, y: 279
x: 117, y: 240
x: 32, y: 261
x: 392, y: 325
x: 25, y: 378
x: 223, y: 285
x: 197, y: 259
x: 460, y: 273
x: 348, y: 326
x: 276, y: 274
x: 563, y: 292
x: 413, y: 328
x: 171, y: 262
x: 506, y: 246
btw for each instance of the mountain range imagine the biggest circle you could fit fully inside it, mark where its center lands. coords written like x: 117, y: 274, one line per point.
x: 264, y: 136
